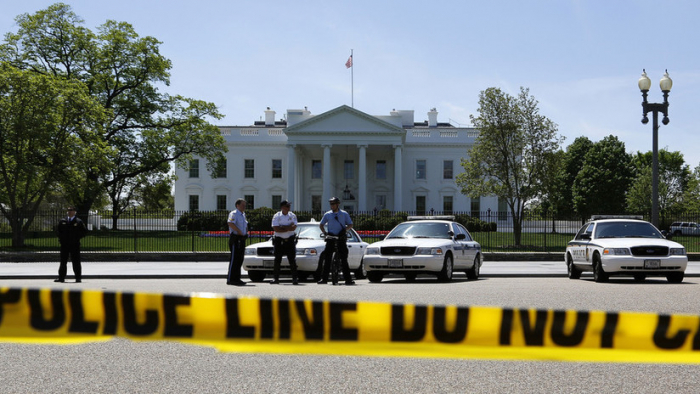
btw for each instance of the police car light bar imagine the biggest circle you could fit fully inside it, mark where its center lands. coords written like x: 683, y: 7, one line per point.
x: 601, y: 217
x: 437, y: 217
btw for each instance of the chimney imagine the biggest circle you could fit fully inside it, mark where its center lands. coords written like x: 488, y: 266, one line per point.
x: 269, y: 117
x: 432, y: 118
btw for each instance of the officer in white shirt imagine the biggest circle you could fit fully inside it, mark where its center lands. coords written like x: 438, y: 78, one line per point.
x: 238, y: 228
x: 284, y: 223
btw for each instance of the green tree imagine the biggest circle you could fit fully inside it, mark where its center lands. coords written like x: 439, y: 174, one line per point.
x: 601, y: 185
x: 155, y: 193
x: 148, y: 129
x: 510, y: 158
x: 674, y: 177
x: 571, y: 165
x: 48, y: 127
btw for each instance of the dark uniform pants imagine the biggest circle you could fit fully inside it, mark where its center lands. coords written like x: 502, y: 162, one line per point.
x: 285, y: 247
x: 237, y: 245
x: 72, y: 250
x: 342, y: 253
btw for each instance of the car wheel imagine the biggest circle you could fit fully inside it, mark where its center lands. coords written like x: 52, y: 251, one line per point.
x: 675, y: 277
x: 256, y: 276
x: 598, y: 274
x: 473, y: 273
x: 375, y: 277
x: 361, y: 272
x: 410, y: 277
x: 639, y: 278
x: 446, y: 274
x: 574, y: 273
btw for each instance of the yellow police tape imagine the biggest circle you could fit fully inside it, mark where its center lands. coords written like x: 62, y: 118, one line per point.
x: 254, y: 325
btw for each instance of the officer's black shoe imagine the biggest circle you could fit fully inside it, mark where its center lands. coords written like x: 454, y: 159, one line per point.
x: 59, y: 280
x: 349, y: 282
x: 275, y: 282
x: 295, y: 281
x: 323, y: 282
x: 78, y: 281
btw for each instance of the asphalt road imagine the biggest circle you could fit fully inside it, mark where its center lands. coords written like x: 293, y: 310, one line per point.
x: 125, y: 366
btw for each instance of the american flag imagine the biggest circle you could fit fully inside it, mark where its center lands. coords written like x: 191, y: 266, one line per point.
x: 348, y: 64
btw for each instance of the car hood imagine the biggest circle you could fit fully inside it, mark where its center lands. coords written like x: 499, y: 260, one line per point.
x: 420, y: 242
x: 302, y: 243
x: 632, y: 242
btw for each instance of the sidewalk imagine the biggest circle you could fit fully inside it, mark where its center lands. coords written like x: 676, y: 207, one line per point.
x: 218, y: 270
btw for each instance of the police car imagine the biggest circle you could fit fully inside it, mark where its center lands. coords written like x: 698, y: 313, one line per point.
x: 434, y: 245
x: 624, y: 246
x: 260, y: 257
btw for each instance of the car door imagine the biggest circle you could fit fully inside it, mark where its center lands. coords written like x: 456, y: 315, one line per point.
x: 579, y: 246
x: 469, y: 246
x: 355, y: 249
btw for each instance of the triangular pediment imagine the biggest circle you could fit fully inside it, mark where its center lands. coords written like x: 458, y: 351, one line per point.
x: 345, y: 120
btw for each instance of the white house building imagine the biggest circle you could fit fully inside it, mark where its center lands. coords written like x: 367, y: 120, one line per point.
x: 369, y: 162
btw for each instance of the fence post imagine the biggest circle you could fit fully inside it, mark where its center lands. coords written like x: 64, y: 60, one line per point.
x: 133, y: 218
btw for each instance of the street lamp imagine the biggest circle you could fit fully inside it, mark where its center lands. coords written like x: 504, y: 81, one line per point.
x: 644, y: 84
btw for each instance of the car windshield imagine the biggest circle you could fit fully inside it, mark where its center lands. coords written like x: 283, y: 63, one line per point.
x: 308, y: 231
x: 420, y: 230
x: 626, y: 230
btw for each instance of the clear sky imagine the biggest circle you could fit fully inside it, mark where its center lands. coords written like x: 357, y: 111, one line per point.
x: 580, y: 59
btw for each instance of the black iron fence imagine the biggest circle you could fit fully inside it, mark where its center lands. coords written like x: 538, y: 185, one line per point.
x: 191, y: 232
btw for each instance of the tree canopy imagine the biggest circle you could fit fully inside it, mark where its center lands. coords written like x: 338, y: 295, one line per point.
x: 146, y: 129
x: 513, y: 154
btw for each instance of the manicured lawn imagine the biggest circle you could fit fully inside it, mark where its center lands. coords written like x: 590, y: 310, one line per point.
x: 195, y: 241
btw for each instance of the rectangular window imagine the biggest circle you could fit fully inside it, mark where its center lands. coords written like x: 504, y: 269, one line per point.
x: 316, y: 169
x: 221, y: 202
x: 447, y: 205
x: 194, y: 202
x: 349, y: 169
x: 420, y: 169
x: 316, y: 203
x: 380, y: 201
x: 276, y: 169
x: 194, y: 168
x: 276, y: 200
x: 219, y: 169
x: 381, y: 169
x: 476, y: 207
x: 249, y: 201
x: 420, y: 205
x: 447, y: 169
x: 249, y: 171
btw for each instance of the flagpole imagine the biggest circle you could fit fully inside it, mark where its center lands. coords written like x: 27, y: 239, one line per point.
x: 352, y: 81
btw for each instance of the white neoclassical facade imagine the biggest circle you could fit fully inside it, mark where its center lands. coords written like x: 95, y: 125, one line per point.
x: 369, y: 162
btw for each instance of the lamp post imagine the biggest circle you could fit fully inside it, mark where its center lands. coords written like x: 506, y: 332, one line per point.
x: 644, y: 84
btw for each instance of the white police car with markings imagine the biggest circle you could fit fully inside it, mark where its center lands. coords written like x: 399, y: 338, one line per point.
x: 614, y: 245
x: 260, y: 257
x: 435, y: 245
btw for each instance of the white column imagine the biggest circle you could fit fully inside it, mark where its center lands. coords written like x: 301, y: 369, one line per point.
x: 362, y: 180
x: 291, y: 175
x: 398, y: 204
x: 326, y: 176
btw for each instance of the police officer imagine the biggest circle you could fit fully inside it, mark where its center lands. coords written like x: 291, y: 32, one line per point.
x: 70, y: 230
x: 238, y: 229
x: 284, y: 223
x: 339, y: 223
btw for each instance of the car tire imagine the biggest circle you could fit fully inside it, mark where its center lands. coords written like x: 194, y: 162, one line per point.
x: 573, y: 272
x: 675, y: 277
x: 640, y: 278
x: 375, y: 277
x: 256, y: 276
x: 446, y: 274
x: 361, y: 272
x: 599, y: 275
x: 473, y: 273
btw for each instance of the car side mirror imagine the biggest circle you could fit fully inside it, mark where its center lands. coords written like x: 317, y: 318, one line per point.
x: 666, y: 234
x: 460, y: 237
x: 586, y: 237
